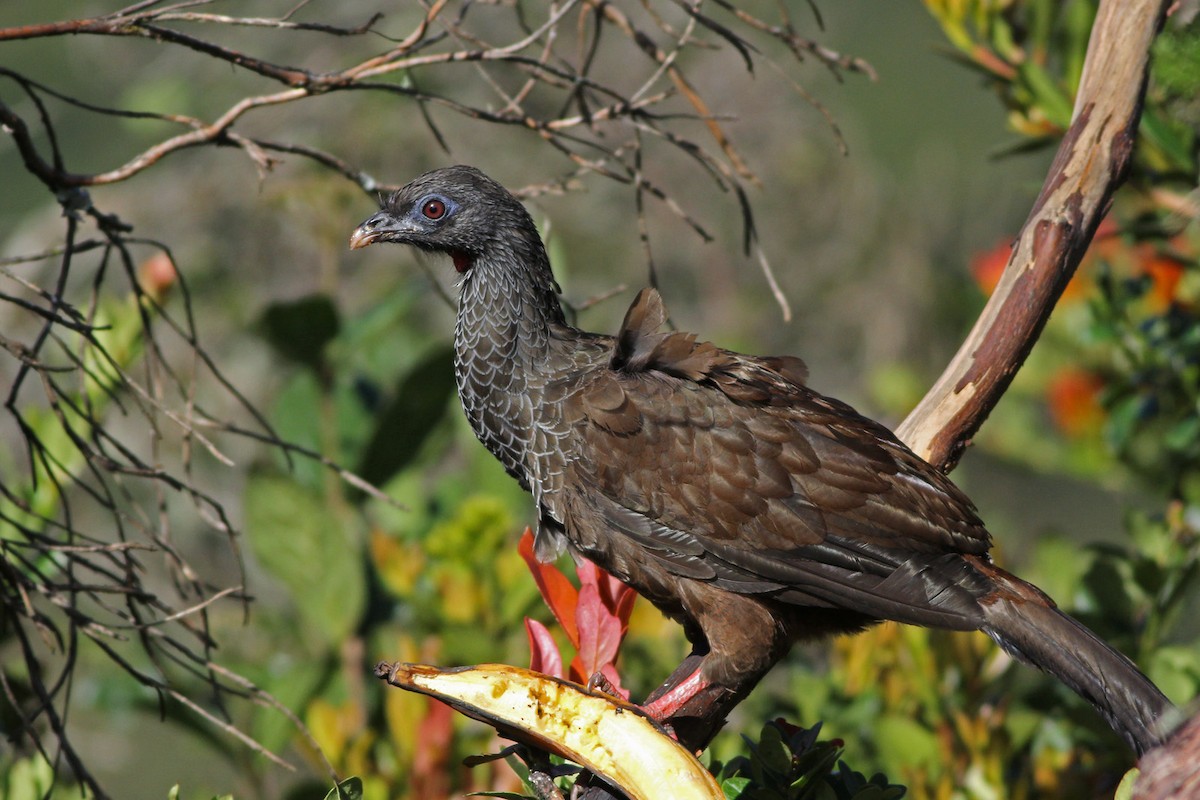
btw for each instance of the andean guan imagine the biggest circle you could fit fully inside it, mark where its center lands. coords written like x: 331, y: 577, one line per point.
x: 736, y: 499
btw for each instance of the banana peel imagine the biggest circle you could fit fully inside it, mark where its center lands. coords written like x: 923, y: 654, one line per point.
x: 608, y: 736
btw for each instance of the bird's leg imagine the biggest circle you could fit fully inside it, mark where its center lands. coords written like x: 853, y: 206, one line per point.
x: 676, y: 697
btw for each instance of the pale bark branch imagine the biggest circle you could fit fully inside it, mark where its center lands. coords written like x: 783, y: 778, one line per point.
x: 1091, y: 163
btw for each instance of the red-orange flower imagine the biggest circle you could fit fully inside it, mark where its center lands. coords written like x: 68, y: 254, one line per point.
x: 1073, y: 398
x: 988, y: 266
x: 1107, y: 244
x: 156, y: 275
x: 1165, y: 272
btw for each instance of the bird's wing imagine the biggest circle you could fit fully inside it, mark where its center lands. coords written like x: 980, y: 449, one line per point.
x: 726, y: 468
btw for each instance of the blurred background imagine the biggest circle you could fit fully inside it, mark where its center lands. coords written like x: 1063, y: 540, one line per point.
x: 235, y: 318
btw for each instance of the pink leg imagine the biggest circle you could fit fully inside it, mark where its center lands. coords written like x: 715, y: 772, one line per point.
x: 677, y: 697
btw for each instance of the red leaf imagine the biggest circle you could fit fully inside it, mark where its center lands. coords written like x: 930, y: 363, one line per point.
x: 543, y: 652
x: 611, y: 590
x: 589, y: 574
x: 432, y: 754
x: 617, y: 597
x: 599, y: 631
x: 556, y: 590
x: 624, y: 607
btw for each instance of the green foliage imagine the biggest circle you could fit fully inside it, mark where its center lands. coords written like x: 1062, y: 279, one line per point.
x: 117, y: 342
x: 300, y: 541
x: 1177, y: 62
x: 418, y: 403
x: 301, y: 329
x: 349, y: 789
x: 790, y: 763
x: 1172, y: 122
x: 1151, y: 394
x: 433, y: 575
x: 1032, y: 54
x: 173, y: 794
x: 33, y: 778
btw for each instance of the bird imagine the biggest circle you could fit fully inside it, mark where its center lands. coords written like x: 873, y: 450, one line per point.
x: 742, y: 503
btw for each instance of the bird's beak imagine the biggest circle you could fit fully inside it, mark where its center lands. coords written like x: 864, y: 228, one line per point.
x: 373, y: 230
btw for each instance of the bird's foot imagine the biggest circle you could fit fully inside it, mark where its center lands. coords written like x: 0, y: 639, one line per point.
x: 660, y: 708
x: 599, y: 682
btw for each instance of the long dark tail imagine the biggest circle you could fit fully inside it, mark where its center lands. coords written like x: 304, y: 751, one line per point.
x: 1027, y: 625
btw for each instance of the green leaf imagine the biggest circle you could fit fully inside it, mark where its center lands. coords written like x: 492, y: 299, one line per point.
x: 301, y: 542
x: 1176, y: 671
x: 300, y: 329
x: 1047, y: 95
x: 349, y: 789
x: 296, y: 416
x: 418, y: 404
x: 1172, y: 139
x: 1107, y: 584
x: 734, y: 787
x: 1183, y: 435
x: 1176, y: 64
x: 293, y: 682
x: 903, y: 740
x: 30, y: 778
x: 1125, y: 787
x: 1124, y: 417
x: 772, y: 751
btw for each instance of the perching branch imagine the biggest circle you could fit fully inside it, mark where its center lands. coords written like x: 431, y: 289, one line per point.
x: 1091, y: 164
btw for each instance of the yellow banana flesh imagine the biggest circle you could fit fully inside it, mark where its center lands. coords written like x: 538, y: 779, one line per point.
x: 608, y: 736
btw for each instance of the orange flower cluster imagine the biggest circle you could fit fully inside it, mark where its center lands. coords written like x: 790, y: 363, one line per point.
x: 1163, y: 264
x: 1073, y: 393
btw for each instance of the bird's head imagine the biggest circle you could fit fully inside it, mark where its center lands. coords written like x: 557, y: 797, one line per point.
x: 458, y: 211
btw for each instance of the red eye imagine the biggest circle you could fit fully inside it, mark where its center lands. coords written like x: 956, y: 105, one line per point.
x: 434, y: 209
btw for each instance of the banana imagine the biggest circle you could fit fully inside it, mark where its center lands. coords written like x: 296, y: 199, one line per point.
x: 608, y: 736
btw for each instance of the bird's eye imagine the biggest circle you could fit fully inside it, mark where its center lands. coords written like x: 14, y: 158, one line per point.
x: 433, y: 209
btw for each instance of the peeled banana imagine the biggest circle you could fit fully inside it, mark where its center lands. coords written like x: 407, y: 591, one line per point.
x: 608, y: 736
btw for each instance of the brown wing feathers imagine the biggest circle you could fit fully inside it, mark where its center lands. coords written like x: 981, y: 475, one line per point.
x: 741, y: 475
x: 641, y: 348
x: 791, y: 464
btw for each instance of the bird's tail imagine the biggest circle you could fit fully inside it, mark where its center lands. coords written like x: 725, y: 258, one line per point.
x: 1026, y: 624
